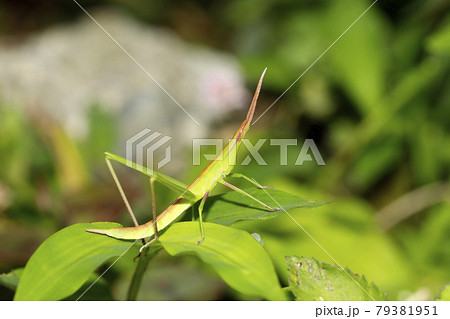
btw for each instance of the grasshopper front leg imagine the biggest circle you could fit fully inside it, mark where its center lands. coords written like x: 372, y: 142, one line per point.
x: 248, y: 195
x: 200, y: 217
x: 238, y: 175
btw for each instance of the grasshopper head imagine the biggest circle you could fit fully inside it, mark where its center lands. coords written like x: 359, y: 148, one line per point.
x: 240, y: 133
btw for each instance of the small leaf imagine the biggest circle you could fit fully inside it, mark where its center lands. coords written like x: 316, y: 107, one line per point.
x: 231, y: 207
x: 236, y: 256
x: 64, y: 261
x: 313, y: 280
x: 445, y: 294
x: 11, y: 279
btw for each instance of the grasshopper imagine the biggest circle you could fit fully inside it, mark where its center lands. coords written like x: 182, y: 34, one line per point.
x: 214, y: 173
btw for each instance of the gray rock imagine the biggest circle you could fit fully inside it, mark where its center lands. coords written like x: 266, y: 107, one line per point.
x: 62, y: 71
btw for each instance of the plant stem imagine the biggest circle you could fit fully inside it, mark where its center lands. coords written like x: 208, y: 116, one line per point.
x: 139, y: 273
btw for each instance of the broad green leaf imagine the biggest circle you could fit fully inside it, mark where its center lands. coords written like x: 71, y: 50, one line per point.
x: 236, y: 256
x: 313, y: 280
x: 61, y: 265
x: 99, y: 291
x: 11, y: 279
x: 231, y: 207
x: 445, y: 294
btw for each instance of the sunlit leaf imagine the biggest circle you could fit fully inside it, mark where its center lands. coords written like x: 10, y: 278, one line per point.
x: 236, y: 256
x: 61, y: 265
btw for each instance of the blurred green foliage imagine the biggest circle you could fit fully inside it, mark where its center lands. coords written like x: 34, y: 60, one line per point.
x: 377, y: 105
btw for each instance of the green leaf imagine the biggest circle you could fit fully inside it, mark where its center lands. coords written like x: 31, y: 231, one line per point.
x: 359, y: 61
x: 64, y: 261
x: 11, y: 279
x: 231, y: 207
x: 313, y: 280
x: 95, y: 288
x: 445, y: 294
x: 374, y: 161
x: 236, y: 256
x: 439, y: 42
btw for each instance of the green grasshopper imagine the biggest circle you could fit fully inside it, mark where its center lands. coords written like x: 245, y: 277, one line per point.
x: 200, y: 188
